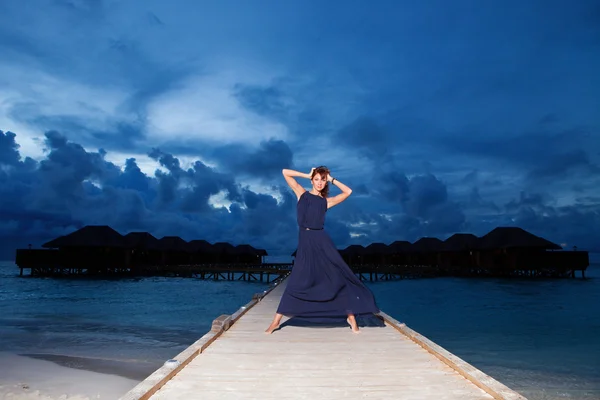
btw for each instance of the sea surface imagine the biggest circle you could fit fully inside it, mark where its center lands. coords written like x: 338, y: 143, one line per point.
x: 540, y: 337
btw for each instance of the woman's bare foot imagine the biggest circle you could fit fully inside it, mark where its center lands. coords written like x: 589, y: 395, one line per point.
x: 271, y: 328
x: 352, y: 322
x: 275, y: 324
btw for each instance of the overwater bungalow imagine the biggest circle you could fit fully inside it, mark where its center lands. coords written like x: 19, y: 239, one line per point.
x: 261, y: 253
x: 93, y: 248
x: 174, y: 251
x: 142, y: 241
x: 377, y: 254
x: 426, y: 251
x: 201, y: 252
x: 513, y: 251
x: 459, y: 254
x: 225, y: 252
x: 247, y: 254
x: 354, y: 254
x: 400, y: 252
x: 143, y: 249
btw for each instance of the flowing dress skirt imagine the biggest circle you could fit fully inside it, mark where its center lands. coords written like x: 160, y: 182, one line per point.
x: 321, y: 286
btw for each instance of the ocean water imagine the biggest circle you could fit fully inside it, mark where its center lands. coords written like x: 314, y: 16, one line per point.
x: 540, y: 337
x: 127, y: 325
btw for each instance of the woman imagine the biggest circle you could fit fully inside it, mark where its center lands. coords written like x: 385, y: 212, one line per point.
x: 321, y: 286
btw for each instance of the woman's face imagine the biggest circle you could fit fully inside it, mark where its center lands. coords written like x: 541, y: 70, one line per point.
x: 319, y: 182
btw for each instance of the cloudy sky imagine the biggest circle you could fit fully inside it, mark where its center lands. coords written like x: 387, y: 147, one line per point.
x: 177, y: 117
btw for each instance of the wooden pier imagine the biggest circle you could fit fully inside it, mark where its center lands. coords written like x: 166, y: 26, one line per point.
x: 236, y: 360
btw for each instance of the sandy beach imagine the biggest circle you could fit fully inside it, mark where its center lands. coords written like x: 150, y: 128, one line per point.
x: 27, y: 378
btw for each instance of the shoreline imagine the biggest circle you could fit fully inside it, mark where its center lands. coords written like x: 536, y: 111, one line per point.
x: 34, y: 378
x: 131, y: 369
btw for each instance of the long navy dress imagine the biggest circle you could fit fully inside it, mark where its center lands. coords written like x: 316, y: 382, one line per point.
x: 321, y: 286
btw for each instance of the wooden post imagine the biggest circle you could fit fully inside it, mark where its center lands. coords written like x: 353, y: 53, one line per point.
x: 222, y: 323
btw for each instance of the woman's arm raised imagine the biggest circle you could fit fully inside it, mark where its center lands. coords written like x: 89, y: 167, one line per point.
x: 290, y: 174
x: 346, y: 191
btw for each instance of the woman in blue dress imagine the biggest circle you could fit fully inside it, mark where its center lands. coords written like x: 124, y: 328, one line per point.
x: 321, y: 286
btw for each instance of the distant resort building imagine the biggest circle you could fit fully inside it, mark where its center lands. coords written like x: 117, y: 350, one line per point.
x: 503, y: 252
x: 100, y: 250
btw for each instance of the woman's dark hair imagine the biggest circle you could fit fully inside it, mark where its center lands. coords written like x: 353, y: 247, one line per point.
x: 323, y: 171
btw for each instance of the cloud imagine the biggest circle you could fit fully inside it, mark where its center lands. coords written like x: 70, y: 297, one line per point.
x: 9, y: 149
x: 476, y: 203
x: 572, y: 225
x: 190, y: 189
x: 426, y: 200
x: 268, y: 101
x: 264, y: 162
x: 93, y: 113
x: 566, y: 165
x: 73, y: 187
x: 366, y: 135
x: 205, y: 109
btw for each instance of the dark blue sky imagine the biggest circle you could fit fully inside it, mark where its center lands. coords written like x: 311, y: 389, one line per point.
x: 177, y: 117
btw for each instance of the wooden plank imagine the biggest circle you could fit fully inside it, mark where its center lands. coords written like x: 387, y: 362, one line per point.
x: 240, y: 361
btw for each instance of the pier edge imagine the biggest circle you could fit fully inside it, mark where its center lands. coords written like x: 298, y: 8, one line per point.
x: 491, y: 386
x: 146, y: 388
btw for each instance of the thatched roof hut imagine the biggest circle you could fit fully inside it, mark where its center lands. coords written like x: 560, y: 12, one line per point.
x: 200, y: 246
x: 262, y: 252
x: 246, y: 250
x: 427, y: 244
x: 224, y: 248
x: 377, y: 249
x: 401, y: 246
x: 513, y: 237
x: 354, y: 250
x: 172, y: 243
x: 461, y: 242
x: 89, y: 236
x: 140, y: 240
